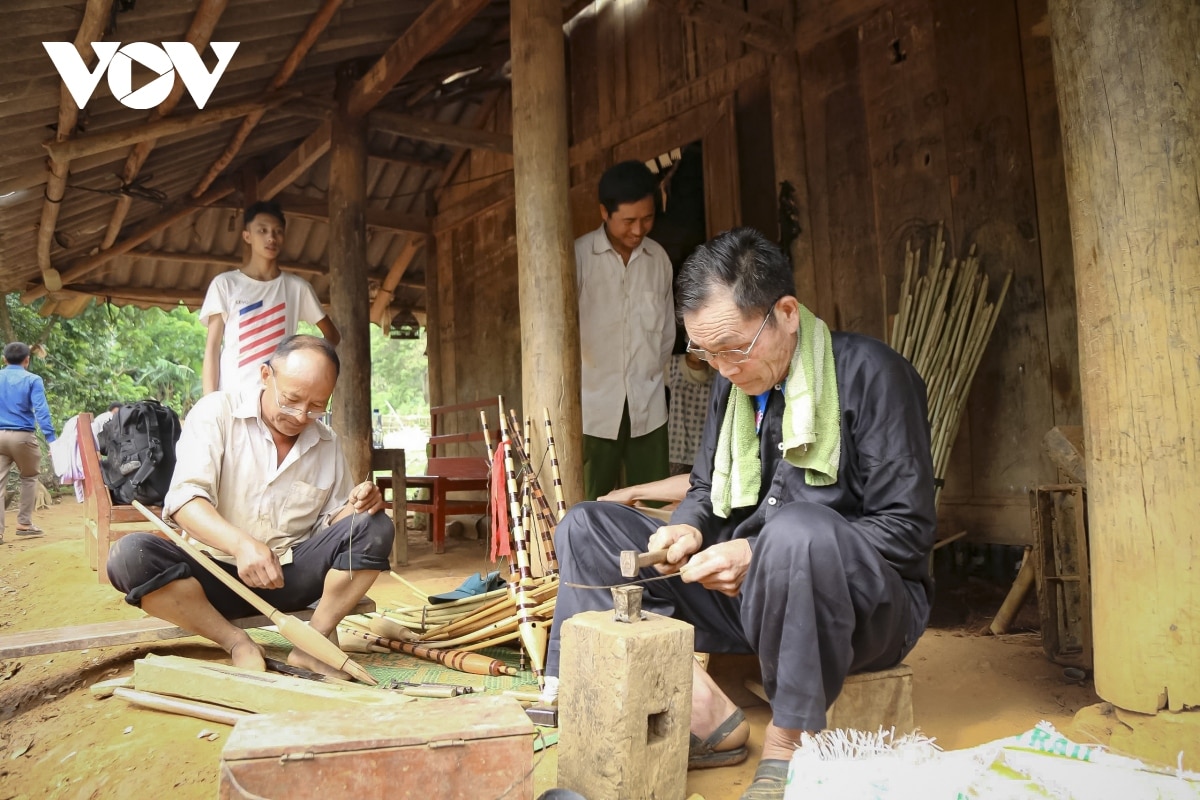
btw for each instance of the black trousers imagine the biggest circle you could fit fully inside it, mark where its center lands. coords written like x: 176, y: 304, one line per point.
x: 817, y: 604
x: 141, y: 563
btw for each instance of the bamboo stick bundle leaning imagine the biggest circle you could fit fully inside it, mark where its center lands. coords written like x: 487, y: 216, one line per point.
x: 943, y: 325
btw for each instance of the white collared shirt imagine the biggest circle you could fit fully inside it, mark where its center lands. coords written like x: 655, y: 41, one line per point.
x: 226, y: 455
x: 626, y: 332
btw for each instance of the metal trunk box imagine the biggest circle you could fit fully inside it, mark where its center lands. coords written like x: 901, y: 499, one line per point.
x: 463, y: 747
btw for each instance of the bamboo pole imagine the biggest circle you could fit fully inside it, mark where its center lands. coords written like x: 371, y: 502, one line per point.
x: 559, y: 502
x: 176, y: 705
x: 292, y: 629
x: 460, y: 660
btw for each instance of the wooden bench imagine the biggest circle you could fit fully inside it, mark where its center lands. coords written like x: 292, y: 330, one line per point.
x: 869, y: 701
x: 103, y: 522
x: 444, y: 474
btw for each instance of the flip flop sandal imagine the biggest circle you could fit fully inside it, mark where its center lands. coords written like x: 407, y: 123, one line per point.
x: 770, y: 780
x: 33, y: 531
x: 702, y: 753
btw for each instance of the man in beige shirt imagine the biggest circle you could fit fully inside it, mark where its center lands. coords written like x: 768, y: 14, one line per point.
x: 264, y: 486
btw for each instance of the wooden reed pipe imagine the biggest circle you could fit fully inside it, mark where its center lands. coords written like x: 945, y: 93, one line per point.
x: 632, y: 561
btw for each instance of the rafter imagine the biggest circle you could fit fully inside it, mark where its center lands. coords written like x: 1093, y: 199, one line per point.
x: 233, y: 262
x: 316, y: 26
x: 428, y: 32
x: 198, y: 35
x: 429, y: 130
x: 127, y: 135
x: 95, y: 17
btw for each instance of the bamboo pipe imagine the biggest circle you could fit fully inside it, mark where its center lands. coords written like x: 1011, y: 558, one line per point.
x: 560, y: 504
x: 1014, y: 599
x: 176, y: 705
x: 460, y: 660
x: 534, y: 643
x: 292, y: 629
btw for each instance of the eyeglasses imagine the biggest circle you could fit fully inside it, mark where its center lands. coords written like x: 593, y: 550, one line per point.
x: 731, y: 356
x: 289, y: 410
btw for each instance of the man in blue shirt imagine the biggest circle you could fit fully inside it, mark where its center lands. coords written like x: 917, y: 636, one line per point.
x: 22, y: 406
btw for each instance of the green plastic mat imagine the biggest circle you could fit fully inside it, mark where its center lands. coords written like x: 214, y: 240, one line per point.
x: 403, y: 667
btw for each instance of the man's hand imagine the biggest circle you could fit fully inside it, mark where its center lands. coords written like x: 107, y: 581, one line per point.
x: 721, y: 568
x: 365, y: 498
x: 258, y: 566
x: 680, y: 541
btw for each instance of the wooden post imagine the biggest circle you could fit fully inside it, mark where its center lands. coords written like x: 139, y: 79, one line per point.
x: 545, y: 247
x: 1131, y: 126
x: 348, y: 279
x: 791, y: 170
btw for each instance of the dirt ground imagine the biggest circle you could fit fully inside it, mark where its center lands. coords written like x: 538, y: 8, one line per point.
x: 58, y: 741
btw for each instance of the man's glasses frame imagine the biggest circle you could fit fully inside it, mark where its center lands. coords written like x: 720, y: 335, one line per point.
x: 290, y: 410
x: 732, y: 356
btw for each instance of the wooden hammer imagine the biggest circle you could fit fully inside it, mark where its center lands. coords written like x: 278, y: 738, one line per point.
x: 632, y: 561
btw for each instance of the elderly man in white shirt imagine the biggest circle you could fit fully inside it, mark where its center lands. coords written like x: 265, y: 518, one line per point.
x: 626, y: 332
x: 263, y: 485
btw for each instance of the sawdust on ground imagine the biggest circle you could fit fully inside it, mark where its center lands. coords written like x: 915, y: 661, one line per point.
x: 58, y: 741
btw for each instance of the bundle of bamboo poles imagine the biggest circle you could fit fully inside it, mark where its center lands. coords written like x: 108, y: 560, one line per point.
x: 524, y: 609
x: 943, y: 327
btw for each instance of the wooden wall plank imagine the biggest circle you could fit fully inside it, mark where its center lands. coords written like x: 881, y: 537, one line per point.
x: 904, y: 102
x: 722, y: 189
x: 1053, y: 222
x: 840, y: 186
x: 755, y: 157
x: 583, y: 73
x: 991, y: 178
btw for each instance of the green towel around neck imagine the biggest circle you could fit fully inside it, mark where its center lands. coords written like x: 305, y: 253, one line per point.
x: 812, y: 424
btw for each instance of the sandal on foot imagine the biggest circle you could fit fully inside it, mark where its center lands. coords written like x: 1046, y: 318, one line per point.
x: 33, y: 530
x: 770, y: 780
x: 702, y: 753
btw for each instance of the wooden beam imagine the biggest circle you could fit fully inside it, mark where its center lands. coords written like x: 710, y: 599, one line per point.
x: 316, y: 26
x: 429, y: 130
x: 295, y: 163
x: 95, y: 18
x: 475, y: 203
x: 387, y: 290
x: 380, y: 218
x: 348, y: 289
x: 83, y: 267
x: 436, y: 25
x: 762, y: 34
x: 405, y: 160
x: 438, y: 69
x: 233, y: 262
x: 154, y: 295
x: 198, y: 35
x: 713, y: 86
x: 127, y: 135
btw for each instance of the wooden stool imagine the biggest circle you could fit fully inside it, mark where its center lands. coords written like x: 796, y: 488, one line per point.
x: 869, y: 701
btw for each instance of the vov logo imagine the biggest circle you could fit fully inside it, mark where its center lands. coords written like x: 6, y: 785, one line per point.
x: 165, y: 61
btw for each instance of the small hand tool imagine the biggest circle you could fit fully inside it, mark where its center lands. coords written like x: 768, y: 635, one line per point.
x: 632, y: 561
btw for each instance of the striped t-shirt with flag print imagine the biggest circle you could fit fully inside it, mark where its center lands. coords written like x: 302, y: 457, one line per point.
x: 258, y: 316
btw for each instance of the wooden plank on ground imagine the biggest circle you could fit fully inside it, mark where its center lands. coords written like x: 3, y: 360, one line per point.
x: 120, y: 632
x: 248, y: 690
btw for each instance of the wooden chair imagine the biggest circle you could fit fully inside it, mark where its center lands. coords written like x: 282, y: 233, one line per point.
x: 444, y: 474
x: 103, y: 522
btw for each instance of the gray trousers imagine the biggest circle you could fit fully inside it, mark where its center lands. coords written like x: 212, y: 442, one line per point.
x: 141, y: 563
x: 817, y: 604
x: 20, y: 448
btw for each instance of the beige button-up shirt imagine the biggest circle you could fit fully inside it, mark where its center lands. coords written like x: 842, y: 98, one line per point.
x: 626, y: 332
x: 227, y: 456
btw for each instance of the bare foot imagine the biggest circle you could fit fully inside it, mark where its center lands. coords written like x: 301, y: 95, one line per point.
x: 780, y: 743
x: 299, y: 658
x: 248, y: 655
x: 710, y: 708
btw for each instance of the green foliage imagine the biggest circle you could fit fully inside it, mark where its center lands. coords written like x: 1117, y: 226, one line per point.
x: 399, y: 374
x: 109, y: 353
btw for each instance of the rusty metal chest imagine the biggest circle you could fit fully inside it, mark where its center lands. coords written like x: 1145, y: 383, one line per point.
x: 466, y: 747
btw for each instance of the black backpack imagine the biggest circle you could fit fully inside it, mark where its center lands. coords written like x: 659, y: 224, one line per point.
x: 138, y: 445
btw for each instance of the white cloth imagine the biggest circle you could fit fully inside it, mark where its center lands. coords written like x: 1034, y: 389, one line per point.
x: 99, y: 422
x: 626, y: 332
x: 258, y: 316
x: 689, y: 407
x: 226, y: 455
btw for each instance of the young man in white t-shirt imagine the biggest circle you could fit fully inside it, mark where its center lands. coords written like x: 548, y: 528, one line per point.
x: 249, y: 311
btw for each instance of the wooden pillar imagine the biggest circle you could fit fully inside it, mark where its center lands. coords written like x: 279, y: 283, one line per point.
x: 791, y: 170
x: 545, y: 247
x: 1131, y: 129
x: 349, y: 303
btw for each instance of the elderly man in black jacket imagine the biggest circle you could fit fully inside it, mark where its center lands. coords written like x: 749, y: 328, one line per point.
x: 806, y: 532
